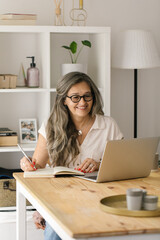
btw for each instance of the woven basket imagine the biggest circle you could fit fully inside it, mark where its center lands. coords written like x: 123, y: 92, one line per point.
x: 8, y: 195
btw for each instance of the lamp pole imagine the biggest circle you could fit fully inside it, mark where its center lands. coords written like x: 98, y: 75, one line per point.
x: 135, y: 49
x: 135, y: 102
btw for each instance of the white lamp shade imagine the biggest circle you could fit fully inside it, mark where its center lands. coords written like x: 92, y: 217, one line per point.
x: 135, y: 49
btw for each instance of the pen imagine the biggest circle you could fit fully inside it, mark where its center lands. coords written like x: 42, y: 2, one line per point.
x: 27, y: 157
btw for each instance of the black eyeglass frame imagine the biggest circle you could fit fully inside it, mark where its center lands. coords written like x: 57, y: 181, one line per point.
x: 80, y: 97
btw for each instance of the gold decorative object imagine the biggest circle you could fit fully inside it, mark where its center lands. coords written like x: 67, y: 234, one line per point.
x: 58, y: 16
x: 78, y: 15
x: 117, y: 205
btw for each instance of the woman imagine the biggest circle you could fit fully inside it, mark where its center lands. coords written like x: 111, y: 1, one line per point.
x: 76, y: 132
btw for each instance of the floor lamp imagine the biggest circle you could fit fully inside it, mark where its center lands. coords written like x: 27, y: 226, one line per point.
x: 135, y: 49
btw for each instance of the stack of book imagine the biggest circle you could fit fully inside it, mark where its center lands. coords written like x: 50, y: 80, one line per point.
x: 8, y: 137
x: 18, y: 19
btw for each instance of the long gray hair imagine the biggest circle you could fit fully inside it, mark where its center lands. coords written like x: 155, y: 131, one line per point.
x: 60, y: 130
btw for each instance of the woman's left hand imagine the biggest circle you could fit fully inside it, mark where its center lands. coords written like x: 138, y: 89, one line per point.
x: 88, y: 165
x: 39, y: 220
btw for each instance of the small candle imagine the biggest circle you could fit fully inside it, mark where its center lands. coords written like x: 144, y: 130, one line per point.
x: 150, y: 202
x: 81, y: 4
x: 134, y: 198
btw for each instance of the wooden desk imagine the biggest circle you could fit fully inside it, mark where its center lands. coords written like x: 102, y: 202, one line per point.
x: 71, y: 206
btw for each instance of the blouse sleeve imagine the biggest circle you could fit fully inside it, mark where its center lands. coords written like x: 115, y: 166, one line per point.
x: 114, y: 132
x: 42, y: 129
x: 117, y: 132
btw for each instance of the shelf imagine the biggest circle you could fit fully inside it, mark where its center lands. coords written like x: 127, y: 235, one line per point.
x: 31, y: 90
x: 26, y: 147
x: 54, y: 29
x: 12, y: 209
x: 53, y: 90
x: 20, y: 90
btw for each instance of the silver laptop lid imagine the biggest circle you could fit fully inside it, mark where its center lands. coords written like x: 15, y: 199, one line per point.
x: 125, y: 159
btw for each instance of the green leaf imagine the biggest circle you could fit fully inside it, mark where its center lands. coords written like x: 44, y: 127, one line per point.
x: 66, y: 47
x: 73, y: 47
x: 86, y: 43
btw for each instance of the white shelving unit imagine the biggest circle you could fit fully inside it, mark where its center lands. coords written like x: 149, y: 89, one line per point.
x: 44, y: 42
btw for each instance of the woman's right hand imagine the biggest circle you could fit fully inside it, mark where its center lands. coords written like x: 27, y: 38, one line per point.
x: 25, y: 164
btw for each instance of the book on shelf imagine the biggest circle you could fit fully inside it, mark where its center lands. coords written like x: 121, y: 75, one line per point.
x: 18, y: 16
x: 7, y: 132
x: 5, y: 129
x: 17, y: 22
x: 52, y: 172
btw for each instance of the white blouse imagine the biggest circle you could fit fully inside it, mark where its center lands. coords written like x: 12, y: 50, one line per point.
x: 103, y: 129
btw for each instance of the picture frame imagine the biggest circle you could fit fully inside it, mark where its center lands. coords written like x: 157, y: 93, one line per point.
x: 28, y: 130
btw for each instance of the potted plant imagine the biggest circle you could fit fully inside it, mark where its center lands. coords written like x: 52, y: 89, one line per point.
x: 74, y: 53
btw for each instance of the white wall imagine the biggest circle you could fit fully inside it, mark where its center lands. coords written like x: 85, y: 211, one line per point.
x: 120, y: 15
x: 132, y: 14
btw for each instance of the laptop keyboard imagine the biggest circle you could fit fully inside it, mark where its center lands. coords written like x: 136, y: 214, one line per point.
x: 91, y: 177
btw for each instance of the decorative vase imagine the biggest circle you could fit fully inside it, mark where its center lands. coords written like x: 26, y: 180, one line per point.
x: 21, y: 80
x: 73, y: 67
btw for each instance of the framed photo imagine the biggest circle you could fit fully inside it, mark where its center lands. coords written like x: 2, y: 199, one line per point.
x: 28, y: 130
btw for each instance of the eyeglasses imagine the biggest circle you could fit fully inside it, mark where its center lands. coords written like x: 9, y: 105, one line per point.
x: 77, y: 98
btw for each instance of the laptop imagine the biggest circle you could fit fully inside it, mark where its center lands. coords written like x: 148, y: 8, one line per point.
x: 125, y: 159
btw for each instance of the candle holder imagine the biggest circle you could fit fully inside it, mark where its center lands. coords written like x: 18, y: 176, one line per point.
x: 78, y: 15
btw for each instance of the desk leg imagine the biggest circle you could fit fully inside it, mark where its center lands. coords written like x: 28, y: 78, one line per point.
x: 21, y: 214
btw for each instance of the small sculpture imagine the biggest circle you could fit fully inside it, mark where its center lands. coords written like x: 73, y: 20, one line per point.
x: 78, y: 15
x: 58, y: 17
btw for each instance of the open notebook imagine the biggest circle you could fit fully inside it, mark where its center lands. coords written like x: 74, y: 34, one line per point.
x: 51, y: 172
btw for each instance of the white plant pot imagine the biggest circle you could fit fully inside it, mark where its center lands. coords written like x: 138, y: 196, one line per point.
x: 73, y: 67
